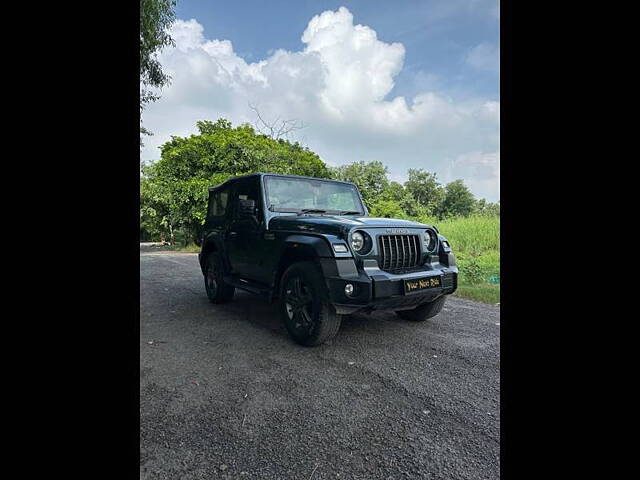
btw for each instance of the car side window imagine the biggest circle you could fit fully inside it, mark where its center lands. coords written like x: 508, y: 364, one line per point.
x: 218, y: 202
x: 248, y: 190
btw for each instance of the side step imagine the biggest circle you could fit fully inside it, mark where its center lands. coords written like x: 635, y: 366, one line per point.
x: 248, y: 285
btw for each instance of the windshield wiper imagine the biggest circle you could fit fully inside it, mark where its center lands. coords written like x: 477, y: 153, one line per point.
x: 283, y: 209
x: 312, y: 210
x: 350, y: 212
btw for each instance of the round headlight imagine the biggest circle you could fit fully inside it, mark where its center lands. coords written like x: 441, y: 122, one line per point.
x: 429, y: 240
x: 357, y: 241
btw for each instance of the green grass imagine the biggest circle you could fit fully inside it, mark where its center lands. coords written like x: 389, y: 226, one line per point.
x: 485, y: 293
x: 472, y: 233
x: 476, y: 243
x: 191, y: 248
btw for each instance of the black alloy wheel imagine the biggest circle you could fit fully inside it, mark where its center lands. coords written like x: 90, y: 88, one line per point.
x: 217, y: 290
x: 306, y: 311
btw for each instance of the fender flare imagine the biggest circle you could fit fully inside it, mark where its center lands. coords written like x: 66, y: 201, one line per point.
x: 315, y: 247
x: 319, y: 244
x: 209, y: 244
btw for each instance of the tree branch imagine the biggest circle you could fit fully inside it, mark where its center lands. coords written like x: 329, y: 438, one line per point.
x: 277, y: 128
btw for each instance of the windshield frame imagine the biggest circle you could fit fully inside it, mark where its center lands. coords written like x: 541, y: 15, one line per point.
x: 362, y: 210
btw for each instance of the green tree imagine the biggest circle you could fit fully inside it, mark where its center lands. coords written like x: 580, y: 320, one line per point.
x: 399, y: 195
x: 458, y: 201
x: 387, y: 209
x: 156, y: 17
x: 425, y: 190
x: 173, y: 190
x: 370, y: 178
x: 208, y: 127
x: 487, y: 209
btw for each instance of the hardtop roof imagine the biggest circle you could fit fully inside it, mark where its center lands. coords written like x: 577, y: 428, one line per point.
x: 260, y: 174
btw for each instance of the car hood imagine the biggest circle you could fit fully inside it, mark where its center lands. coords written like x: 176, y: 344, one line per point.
x: 334, y: 224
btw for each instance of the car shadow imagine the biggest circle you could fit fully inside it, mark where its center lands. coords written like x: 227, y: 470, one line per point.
x: 257, y: 311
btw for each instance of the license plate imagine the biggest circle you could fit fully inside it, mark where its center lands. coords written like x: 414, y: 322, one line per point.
x: 418, y: 284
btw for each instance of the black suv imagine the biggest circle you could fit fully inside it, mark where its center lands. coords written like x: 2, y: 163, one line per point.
x: 309, y: 243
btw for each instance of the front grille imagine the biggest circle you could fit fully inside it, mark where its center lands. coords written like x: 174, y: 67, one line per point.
x: 398, y: 252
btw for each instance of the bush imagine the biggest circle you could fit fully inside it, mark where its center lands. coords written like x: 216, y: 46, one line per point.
x: 475, y: 241
x: 471, y: 271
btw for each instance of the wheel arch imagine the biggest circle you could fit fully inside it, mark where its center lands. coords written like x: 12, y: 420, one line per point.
x: 208, y: 247
x: 299, y: 248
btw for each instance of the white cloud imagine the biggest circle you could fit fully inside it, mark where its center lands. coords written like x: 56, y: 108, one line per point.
x: 338, y: 86
x: 481, y: 172
x: 485, y: 56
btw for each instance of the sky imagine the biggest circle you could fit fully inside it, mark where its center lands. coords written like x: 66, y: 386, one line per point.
x: 413, y: 84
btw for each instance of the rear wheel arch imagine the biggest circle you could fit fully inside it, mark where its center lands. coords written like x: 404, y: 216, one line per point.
x: 207, y: 249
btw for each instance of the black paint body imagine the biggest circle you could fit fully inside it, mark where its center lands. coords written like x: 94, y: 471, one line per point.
x: 257, y: 249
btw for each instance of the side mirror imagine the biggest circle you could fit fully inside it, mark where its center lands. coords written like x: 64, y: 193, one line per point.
x: 246, y: 208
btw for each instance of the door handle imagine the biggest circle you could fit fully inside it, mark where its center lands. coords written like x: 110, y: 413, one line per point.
x: 233, y: 234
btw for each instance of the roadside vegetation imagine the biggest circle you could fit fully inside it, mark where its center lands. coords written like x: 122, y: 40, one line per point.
x: 174, y: 192
x: 156, y: 18
x: 476, y: 242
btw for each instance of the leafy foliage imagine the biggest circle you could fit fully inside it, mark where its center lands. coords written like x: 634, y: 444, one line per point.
x: 156, y: 16
x: 421, y: 196
x: 487, y: 209
x: 387, y: 209
x: 425, y: 190
x: 371, y: 179
x: 458, y: 200
x: 470, y: 270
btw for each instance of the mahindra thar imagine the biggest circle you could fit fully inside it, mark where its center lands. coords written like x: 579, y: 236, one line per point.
x: 309, y: 244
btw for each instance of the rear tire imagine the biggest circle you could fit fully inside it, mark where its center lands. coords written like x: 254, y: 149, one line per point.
x: 217, y: 290
x: 423, y: 312
x: 304, y: 305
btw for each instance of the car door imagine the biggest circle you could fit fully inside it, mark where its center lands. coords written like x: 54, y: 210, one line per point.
x: 245, y: 236
x: 218, y: 212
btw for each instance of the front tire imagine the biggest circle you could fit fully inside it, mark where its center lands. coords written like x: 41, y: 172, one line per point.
x: 217, y: 290
x: 423, y: 312
x: 306, y: 311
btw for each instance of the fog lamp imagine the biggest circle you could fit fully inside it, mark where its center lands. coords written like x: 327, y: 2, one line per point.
x: 348, y: 289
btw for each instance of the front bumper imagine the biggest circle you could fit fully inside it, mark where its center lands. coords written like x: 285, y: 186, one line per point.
x: 375, y: 289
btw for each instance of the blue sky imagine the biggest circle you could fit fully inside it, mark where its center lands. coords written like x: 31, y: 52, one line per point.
x: 444, y: 66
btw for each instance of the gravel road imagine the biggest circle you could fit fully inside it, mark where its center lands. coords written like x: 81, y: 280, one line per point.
x: 224, y: 392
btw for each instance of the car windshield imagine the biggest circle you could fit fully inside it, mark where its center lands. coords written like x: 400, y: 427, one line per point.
x: 305, y: 195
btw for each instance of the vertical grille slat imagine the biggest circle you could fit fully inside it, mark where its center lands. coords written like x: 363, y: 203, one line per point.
x: 383, y: 254
x: 404, y: 254
x: 398, y: 252
x: 410, y: 250
x: 388, y: 257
